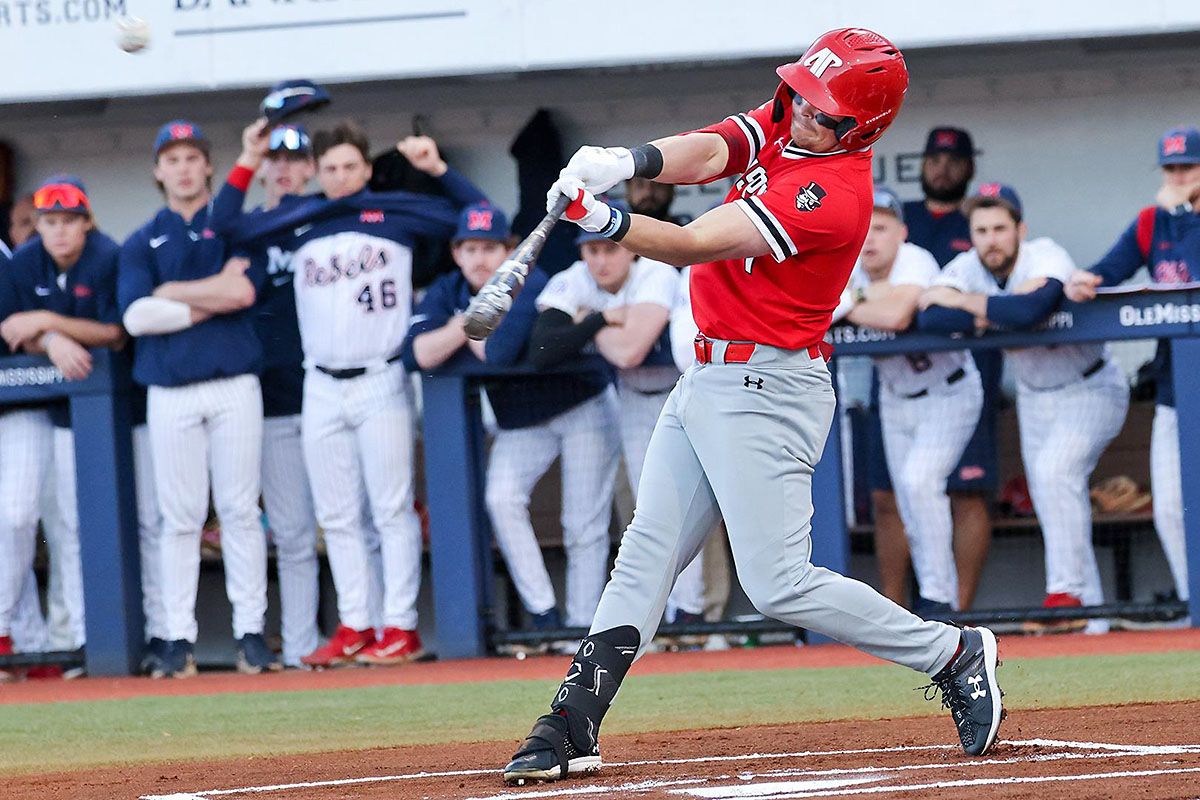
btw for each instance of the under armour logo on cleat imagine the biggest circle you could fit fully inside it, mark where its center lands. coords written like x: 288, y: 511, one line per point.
x: 748, y: 382
x: 975, y: 680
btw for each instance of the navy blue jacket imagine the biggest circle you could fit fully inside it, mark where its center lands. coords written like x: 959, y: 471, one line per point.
x: 1170, y: 248
x: 945, y: 236
x: 169, y: 249
x: 521, y: 400
x: 88, y: 290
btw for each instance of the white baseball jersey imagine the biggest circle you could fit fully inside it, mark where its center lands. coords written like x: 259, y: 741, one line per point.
x: 353, y: 299
x: 1034, y: 367
x: 683, y: 323
x: 912, y: 372
x: 574, y: 290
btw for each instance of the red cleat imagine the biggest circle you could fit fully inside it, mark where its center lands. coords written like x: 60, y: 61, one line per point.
x: 341, y: 649
x: 6, y: 649
x: 396, y: 646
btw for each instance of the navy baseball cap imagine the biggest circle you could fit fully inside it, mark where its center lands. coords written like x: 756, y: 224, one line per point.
x: 482, y: 221
x: 1179, y: 146
x: 886, y: 200
x: 62, y: 193
x: 955, y: 141
x: 291, y: 97
x: 1001, y: 191
x: 290, y: 139
x: 589, y: 236
x: 180, y: 130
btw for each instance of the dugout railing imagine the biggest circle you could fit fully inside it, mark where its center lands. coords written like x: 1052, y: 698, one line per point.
x: 453, y: 431
x: 461, y: 553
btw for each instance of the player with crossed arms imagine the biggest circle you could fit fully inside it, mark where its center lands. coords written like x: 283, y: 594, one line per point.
x: 929, y: 403
x: 743, y: 430
x: 1071, y: 398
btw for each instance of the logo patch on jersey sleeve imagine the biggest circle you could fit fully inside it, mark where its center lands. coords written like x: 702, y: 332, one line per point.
x: 810, y: 197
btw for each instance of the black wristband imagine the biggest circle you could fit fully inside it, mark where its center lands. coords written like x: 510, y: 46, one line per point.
x: 647, y: 161
x: 618, y: 225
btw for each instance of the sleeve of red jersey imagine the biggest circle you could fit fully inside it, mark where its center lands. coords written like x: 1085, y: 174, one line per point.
x: 795, y: 216
x: 745, y: 136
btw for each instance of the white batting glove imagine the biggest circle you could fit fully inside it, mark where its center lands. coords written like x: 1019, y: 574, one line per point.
x: 585, y: 210
x: 598, y: 169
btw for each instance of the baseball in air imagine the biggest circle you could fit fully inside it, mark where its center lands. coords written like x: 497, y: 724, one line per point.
x: 133, y: 34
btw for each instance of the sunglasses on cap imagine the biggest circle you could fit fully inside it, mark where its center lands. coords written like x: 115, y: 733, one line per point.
x: 290, y: 139
x: 61, y: 197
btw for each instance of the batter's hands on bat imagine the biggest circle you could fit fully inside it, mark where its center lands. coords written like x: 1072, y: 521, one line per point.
x: 586, y: 210
x: 422, y: 153
x: 1081, y: 286
x: 72, y: 359
x: 597, y: 169
x: 23, y: 327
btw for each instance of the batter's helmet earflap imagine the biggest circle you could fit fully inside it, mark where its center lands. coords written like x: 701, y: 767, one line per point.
x: 852, y: 73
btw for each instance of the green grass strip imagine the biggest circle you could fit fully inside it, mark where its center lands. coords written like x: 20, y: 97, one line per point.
x: 64, y: 736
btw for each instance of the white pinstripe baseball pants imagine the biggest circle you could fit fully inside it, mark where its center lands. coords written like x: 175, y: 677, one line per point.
x: 586, y: 439
x: 288, y: 502
x: 26, y: 442
x: 359, y: 431
x: 923, y: 438
x: 202, y: 430
x: 639, y: 415
x: 1166, y: 481
x: 63, y: 541
x: 1064, y: 431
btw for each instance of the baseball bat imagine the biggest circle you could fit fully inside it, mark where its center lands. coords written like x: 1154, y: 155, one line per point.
x: 496, y: 297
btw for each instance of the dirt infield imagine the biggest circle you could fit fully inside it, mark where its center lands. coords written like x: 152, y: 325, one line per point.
x: 1133, y: 751
x: 551, y: 668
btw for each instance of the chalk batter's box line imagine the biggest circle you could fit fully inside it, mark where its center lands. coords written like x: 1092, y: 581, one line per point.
x: 1100, y: 750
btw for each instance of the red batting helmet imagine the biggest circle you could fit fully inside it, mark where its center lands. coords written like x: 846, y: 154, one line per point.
x: 854, y: 73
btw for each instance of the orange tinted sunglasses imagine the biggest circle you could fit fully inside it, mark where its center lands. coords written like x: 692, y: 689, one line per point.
x: 61, y: 197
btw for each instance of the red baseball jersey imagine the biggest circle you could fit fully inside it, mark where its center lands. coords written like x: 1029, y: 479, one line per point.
x: 813, y: 209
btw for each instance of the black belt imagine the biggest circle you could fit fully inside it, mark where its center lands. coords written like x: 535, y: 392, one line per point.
x: 951, y: 379
x: 1094, y: 368
x: 352, y: 372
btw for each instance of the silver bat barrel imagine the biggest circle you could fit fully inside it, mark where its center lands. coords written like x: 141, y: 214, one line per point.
x: 494, y: 300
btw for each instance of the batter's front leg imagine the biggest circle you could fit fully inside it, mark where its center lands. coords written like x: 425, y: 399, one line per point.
x: 675, y: 511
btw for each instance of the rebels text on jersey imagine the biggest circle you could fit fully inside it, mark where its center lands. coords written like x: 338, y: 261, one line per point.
x: 813, y: 210
x: 353, y: 297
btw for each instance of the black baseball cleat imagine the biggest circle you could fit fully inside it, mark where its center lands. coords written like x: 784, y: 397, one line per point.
x: 969, y: 689
x: 549, y: 754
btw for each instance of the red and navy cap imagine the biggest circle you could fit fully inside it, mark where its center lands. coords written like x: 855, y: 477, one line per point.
x: 1179, y: 146
x: 482, y: 221
x: 955, y: 141
x: 62, y: 193
x: 1002, y: 192
x: 180, y: 131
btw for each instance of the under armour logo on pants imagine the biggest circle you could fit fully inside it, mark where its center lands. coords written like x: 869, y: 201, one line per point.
x: 748, y: 382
